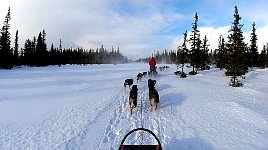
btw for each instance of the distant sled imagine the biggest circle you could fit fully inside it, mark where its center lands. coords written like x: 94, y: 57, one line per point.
x: 152, y: 71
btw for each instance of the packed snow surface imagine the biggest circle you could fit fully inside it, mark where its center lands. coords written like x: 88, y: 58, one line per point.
x: 86, y: 107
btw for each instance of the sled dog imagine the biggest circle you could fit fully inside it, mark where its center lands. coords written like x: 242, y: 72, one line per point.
x: 151, y: 83
x: 153, y: 98
x: 132, y: 100
x: 139, y: 76
x: 128, y: 82
x: 144, y: 74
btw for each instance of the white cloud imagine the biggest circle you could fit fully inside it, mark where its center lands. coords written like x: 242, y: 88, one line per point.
x: 132, y: 34
x: 3, y: 10
x: 213, y: 35
x: 176, y: 42
x: 262, y: 36
x: 89, y: 24
x: 257, y: 12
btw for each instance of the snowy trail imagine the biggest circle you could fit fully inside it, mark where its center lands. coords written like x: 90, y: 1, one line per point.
x: 86, y: 107
x: 141, y: 117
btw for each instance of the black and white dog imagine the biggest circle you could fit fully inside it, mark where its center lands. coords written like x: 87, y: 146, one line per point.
x: 139, y: 76
x: 132, y: 100
x: 153, y: 94
x: 128, y: 82
x: 151, y: 83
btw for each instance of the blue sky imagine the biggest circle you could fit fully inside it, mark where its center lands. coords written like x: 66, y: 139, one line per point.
x: 138, y: 27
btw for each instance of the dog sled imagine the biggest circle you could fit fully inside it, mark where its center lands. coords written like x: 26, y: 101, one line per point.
x: 141, y: 146
x: 153, y: 71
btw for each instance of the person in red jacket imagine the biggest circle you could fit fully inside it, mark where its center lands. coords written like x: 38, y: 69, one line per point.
x: 152, y: 64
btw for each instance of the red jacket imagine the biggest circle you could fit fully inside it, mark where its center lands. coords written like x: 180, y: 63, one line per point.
x: 152, y: 62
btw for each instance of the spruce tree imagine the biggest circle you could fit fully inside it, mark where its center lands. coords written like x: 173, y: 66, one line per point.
x: 60, y: 46
x: 195, y: 46
x: 262, y: 60
x: 204, y: 56
x: 266, y: 56
x: 44, y: 49
x: 44, y: 44
x: 212, y: 57
x: 41, y: 53
x: 221, y: 54
x: 253, y: 51
x: 33, y: 57
x: 34, y: 43
x: 28, y: 53
x: 182, y: 54
x: 52, y: 56
x: 236, y: 63
x: 6, y: 56
x: 58, y: 55
x: 16, y: 49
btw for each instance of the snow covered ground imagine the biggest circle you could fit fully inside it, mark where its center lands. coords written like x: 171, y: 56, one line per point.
x: 86, y: 107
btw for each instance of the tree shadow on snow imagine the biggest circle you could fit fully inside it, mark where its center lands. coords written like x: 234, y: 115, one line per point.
x: 187, y: 144
x: 171, y: 99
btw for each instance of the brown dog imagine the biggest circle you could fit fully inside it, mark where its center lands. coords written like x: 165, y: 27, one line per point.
x: 133, y: 97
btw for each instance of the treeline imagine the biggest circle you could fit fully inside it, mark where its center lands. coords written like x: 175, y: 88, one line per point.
x: 233, y: 55
x: 166, y: 56
x: 36, y: 52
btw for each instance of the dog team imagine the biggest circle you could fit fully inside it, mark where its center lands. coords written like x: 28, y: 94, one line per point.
x: 153, y: 94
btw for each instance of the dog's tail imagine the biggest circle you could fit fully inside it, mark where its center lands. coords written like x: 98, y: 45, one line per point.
x: 131, y: 105
x: 131, y: 108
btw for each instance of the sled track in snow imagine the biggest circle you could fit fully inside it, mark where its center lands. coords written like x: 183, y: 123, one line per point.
x: 122, y: 121
x: 111, y: 130
x: 51, y: 134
